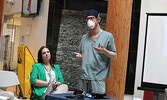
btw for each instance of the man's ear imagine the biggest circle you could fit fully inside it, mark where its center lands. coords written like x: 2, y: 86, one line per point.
x: 99, y: 19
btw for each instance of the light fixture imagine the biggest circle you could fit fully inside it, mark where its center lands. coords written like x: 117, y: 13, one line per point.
x: 11, y: 2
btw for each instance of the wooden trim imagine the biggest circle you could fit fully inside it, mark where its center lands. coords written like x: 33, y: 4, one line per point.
x: 118, y: 23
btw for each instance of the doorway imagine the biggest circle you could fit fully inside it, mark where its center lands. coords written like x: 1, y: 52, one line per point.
x: 10, y: 38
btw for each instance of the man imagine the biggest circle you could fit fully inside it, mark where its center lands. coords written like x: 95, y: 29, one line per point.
x: 96, y: 50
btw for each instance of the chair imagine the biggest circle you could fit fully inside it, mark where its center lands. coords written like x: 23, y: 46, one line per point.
x: 8, y: 79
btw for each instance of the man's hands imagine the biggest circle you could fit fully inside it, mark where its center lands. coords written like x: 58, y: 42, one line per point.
x: 78, y: 55
x: 108, y: 53
x: 99, y: 49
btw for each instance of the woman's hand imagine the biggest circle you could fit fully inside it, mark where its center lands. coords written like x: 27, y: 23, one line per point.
x: 56, y: 84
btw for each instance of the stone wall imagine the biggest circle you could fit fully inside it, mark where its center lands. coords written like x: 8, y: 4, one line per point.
x: 73, y: 26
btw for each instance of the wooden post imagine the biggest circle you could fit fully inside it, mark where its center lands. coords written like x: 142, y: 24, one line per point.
x: 119, y: 23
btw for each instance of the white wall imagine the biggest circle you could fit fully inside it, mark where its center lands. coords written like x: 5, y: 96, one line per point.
x: 12, y: 9
x: 38, y: 32
x: 37, y: 36
x: 147, y: 6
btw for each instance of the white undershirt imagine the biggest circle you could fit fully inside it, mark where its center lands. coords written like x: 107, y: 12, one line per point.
x: 48, y: 78
x: 52, y: 75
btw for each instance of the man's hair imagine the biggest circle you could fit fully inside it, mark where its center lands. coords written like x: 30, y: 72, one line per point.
x: 98, y: 16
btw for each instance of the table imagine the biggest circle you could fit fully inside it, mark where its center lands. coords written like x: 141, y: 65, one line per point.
x: 62, y: 97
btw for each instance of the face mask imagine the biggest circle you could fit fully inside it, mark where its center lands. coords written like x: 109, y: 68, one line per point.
x: 91, y: 24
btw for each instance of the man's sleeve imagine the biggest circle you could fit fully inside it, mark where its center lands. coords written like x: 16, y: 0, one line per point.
x: 111, y: 44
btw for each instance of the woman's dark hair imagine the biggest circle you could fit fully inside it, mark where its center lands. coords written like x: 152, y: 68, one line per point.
x: 40, y: 60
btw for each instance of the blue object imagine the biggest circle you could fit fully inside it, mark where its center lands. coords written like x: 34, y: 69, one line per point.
x: 63, y: 97
x: 93, y: 12
x: 99, y: 45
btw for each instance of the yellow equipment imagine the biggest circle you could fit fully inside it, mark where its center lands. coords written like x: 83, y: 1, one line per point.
x: 25, y: 61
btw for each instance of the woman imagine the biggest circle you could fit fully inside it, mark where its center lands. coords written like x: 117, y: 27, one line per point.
x: 44, y: 73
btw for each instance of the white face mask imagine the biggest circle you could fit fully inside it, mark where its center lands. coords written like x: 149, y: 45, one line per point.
x: 91, y: 24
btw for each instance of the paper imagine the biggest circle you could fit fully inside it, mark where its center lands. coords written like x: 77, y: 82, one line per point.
x: 136, y: 98
x: 50, y: 88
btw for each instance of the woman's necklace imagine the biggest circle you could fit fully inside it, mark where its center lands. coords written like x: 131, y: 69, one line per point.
x: 48, y: 72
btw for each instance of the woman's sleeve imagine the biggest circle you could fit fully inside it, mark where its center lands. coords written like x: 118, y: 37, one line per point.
x: 60, y: 77
x: 34, y: 74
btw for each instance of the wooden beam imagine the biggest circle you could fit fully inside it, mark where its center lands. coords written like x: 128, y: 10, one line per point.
x: 118, y: 23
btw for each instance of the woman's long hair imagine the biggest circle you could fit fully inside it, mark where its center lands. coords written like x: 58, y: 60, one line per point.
x: 40, y: 60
